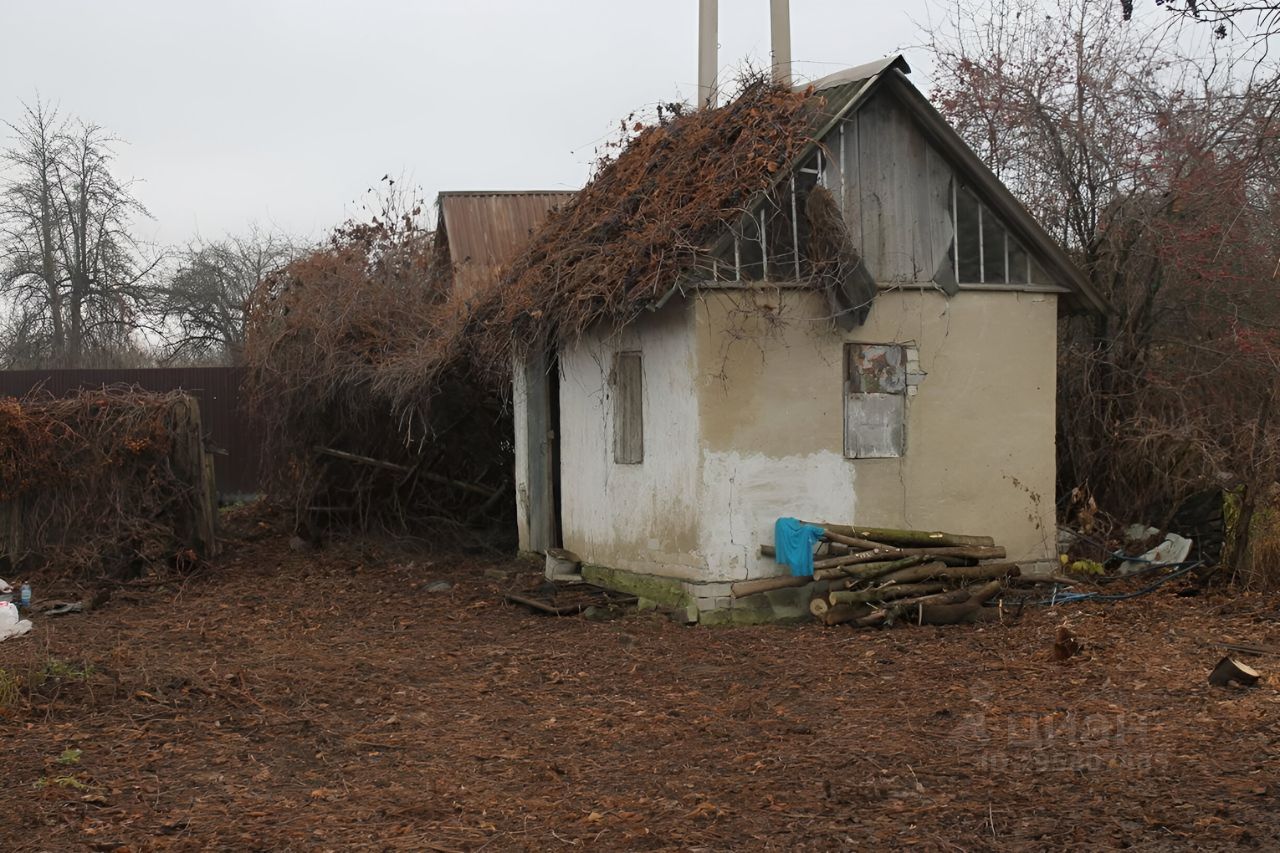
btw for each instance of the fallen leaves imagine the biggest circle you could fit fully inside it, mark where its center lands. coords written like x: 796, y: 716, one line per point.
x: 503, y: 729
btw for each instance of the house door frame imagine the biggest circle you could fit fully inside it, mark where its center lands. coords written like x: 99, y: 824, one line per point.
x: 542, y: 396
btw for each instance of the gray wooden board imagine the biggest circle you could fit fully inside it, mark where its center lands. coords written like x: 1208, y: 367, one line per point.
x: 873, y: 425
x: 538, y: 464
x: 628, y: 409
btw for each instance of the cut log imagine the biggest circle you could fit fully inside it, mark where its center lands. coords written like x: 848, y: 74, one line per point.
x: 1229, y: 671
x: 751, y: 587
x: 876, y: 617
x: 869, y: 556
x: 867, y: 571
x: 842, y: 614
x: 967, y: 611
x: 853, y: 541
x: 906, y: 538
x: 941, y: 571
x: 882, y: 593
x: 1036, y: 580
x: 818, y: 606
x: 907, y: 607
x: 969, y: 552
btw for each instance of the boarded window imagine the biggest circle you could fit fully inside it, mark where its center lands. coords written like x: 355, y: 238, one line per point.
x: 875, y: 390
x: 628, y: 409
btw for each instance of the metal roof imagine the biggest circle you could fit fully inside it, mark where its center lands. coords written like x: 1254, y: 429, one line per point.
x: 485, y: 230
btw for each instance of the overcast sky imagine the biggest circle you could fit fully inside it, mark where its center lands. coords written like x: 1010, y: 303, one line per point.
x: 285, y: 111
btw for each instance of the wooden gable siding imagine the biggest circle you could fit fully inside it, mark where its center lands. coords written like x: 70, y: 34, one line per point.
x: 896, y: 192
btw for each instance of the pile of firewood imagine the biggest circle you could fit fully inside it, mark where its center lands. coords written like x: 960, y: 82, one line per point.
x: 866, y: 576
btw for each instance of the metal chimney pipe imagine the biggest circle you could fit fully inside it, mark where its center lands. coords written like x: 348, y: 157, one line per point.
x: 708, y: 51
x: 780, y: 40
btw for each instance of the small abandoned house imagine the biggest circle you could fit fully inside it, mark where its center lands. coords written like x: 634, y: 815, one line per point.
x: 815, y: 303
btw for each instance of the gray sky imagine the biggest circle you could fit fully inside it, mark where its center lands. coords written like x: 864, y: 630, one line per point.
x: 284, y: 112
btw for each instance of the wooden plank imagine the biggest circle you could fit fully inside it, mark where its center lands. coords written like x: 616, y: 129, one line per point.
x: 538, y: 464
x: 628, y: 408
x: 851, y: 183
x: 941, y: 228
x: 873, y: 425
x: 894, y: 193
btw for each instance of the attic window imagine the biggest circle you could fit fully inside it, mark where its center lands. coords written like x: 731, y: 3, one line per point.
x: 988, y: 253
x: 875, y: 400
x: 628, y: 409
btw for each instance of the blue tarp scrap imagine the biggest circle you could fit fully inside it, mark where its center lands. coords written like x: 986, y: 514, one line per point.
x: 793, y: 542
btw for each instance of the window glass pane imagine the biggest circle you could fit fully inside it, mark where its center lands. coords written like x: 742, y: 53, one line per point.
x: 967, y: 234
x: 993, y: 234
x: 1018, y: 262
x: 1038, y: 275
x: 750, y: 256
x: 780, y: 238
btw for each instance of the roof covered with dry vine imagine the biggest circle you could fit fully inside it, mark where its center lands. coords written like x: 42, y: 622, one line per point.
x: 652, y: 215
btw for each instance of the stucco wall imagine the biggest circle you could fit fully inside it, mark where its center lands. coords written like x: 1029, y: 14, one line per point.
x: 743, y: 419
x: 979, y: 430
x: 641, y: 517
x: 520, y: 417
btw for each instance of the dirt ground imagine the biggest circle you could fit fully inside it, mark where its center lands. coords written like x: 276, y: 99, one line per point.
x: 329, y: 701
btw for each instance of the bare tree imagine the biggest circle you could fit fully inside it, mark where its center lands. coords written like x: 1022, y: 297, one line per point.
x: 1257, y: 19
x: 70, y: 264
x: 1160, y: 171
x: 204, y: 299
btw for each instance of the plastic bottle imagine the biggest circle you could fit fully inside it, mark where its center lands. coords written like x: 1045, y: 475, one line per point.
x: 24, y: 597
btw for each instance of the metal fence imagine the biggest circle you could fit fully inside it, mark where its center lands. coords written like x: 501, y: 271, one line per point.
x: 237, y: 460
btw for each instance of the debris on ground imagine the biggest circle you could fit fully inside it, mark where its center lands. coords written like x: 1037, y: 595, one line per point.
x: 1173, y: 550
x: 285, y: 701
x: 570, y: 597
x: 1065, y: 645
x: 562, y: 563
x: 11, y: 625
x: 1231, y: 672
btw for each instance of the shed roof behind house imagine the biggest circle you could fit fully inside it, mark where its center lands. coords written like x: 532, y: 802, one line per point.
x: 484, y: 230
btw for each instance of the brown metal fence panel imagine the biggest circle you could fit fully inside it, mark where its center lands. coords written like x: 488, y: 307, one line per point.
x: 237, y: 460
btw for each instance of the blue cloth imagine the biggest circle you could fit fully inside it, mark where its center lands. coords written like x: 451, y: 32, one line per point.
x: 793, y: 543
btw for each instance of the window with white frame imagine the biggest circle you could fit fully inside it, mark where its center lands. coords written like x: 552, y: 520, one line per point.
x: 984, y: 252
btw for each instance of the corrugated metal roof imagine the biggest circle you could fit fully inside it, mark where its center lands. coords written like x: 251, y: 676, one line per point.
x: 485, y: 230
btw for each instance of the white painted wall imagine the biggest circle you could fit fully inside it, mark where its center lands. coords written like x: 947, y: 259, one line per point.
x: 640, y: 517
x: 743, y: 423
x: 743, y: 493
x: 520, y: 416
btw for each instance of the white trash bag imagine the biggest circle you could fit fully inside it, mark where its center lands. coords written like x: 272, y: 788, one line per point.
x: 10, y: 624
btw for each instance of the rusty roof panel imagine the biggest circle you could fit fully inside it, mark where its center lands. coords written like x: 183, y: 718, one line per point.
x: 486, y: 230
